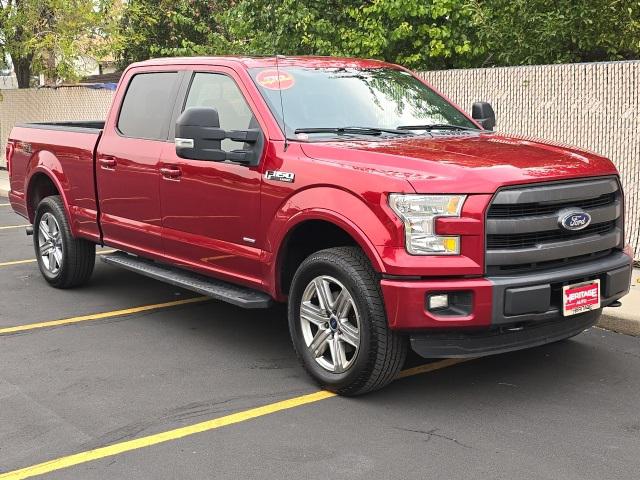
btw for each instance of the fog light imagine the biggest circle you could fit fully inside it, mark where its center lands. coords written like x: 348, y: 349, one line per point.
x: 438, y: 301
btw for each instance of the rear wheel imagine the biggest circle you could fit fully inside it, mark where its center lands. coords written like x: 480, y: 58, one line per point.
x: 64, y: 261
x: 338, y: 323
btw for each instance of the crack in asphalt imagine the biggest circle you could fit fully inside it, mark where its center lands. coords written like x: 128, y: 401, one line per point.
x: 432, y: 433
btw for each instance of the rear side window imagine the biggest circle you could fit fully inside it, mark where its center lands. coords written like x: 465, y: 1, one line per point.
x: 147, y: 105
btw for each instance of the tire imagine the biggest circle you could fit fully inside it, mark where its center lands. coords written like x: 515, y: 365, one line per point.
x: 362, y: 364
x: 69, y: 261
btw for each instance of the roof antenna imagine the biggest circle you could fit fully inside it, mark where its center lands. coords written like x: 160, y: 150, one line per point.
x: 284, y: 124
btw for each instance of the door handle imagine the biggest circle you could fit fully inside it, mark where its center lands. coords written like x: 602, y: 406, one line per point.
x: 108, y: 162
x: 171, y: 173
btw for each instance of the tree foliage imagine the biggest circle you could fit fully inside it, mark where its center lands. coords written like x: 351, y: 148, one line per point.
x: 421, y: 34
x: 415, y: 33
x: 161, y: 28
x: 524, y: 32
x: 52, y: 36
x: 288, y: 26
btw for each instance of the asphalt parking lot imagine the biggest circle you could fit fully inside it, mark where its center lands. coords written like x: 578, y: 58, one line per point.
x: 195, y: 389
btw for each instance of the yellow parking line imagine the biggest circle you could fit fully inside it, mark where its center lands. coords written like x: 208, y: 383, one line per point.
x: 162, y: 437
x: 100, y: 316
x: 32, y: 260
x: 14, y: 226
x: 5, y: 204
x: 129, y: 445
x: 430, y: 367
x: 17, y: 262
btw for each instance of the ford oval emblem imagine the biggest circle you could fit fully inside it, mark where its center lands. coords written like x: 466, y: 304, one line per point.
x: 574, y: 219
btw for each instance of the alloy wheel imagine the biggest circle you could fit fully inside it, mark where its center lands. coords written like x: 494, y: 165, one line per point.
x: 330, y: 324
x: 50, y: 243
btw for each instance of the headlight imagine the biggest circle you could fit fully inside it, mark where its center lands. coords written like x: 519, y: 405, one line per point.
x: 419, y: 213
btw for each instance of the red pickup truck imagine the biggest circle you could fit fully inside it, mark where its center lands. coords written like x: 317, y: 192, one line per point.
x: 383, y: 214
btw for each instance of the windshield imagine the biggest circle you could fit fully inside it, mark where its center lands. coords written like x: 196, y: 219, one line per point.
x: 338, y: 98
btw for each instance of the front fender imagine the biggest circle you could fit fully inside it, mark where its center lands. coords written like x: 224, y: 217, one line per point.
x: 341, y: 208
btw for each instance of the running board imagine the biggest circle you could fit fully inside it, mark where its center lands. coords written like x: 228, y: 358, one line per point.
x: 211, y: 287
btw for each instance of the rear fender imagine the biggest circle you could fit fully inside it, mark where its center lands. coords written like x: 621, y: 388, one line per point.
x: 46, y: 163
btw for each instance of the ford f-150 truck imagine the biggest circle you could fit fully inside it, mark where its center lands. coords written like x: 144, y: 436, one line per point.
x: 383, y: 214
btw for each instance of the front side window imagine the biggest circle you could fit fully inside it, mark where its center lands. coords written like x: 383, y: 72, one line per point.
x: 339, y: 97
x: 221, y: 92
x: 147, y: 105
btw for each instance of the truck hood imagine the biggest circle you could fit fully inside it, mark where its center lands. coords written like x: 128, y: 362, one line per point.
x: 479, y: 163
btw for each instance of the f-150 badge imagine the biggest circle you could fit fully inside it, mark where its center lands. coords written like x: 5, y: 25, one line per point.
x: 280, y: 176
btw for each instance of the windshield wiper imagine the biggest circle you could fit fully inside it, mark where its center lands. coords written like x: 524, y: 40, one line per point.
x: 351, y: 130
x: 437, y: 126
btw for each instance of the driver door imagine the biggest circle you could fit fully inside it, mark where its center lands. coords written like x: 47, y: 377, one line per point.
x: 211, y: 210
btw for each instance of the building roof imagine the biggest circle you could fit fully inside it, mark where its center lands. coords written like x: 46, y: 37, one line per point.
x: 102, y: 78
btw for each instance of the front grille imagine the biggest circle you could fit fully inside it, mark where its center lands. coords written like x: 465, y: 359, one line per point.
x: 524, y: 240
x: 523, y: 231
x: 533, y: 209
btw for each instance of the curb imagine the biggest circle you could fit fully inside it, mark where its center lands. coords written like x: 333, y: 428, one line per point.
x: 620, y: 324
x: 625, y: 319
x: 4, y: 183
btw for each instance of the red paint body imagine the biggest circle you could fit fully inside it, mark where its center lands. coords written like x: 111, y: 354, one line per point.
x: 116, y: 193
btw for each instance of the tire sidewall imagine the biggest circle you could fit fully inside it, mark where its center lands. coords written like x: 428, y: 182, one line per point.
x: 48, y: 206
x: 313, y: 267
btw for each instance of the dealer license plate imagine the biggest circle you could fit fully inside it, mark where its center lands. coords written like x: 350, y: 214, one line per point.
x: 581, y: 297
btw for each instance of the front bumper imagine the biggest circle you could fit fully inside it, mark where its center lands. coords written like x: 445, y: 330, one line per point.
x: 462, y: 344
x: 502, y: 307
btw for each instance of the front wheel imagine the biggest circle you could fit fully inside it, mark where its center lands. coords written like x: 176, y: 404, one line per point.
x: 64, y: 261
x: 338, y: 323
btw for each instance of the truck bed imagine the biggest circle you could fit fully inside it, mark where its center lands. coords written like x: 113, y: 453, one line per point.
x: 66, y: 151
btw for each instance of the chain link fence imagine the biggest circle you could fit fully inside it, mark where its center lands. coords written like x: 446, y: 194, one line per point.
x: 49, y: 105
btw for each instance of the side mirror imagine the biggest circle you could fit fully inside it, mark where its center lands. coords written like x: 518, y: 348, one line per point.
x: 199, y: 137
x: 482, y: 112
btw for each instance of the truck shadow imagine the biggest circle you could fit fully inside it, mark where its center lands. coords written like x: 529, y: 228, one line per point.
x: 263, y: 336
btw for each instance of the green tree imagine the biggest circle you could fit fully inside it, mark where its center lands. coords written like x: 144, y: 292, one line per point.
x: 288, y: 27
x: 421, y: 34
x: 161, y: 28
x: 523, y: 32
x: 416, y: 33
x: 51, y: 36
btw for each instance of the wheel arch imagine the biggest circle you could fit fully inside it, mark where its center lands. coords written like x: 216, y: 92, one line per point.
x: 45, y: 179
x: 313, y: 230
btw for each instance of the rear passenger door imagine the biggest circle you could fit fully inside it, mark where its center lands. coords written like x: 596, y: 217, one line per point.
x: 127, y: 162
x: 211, y: 210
